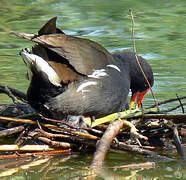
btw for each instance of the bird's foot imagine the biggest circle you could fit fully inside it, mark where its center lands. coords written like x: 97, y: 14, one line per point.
x: 77, y: 121
x: 134, y: 132
x: 74, y: 122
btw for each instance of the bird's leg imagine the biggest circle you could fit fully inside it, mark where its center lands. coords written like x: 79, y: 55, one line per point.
x: 76, y: 121
x: 139, y: 96
x: 132, y: 101
x: 89, y: 120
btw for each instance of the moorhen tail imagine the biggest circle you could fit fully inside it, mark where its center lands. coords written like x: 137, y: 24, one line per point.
x: 76, y: 76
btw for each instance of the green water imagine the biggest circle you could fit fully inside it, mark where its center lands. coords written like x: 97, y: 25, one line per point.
x: 160, y: 30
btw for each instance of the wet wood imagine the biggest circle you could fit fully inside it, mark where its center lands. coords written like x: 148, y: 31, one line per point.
x: 177, y: 143
x: 7, y: 147
x: 150, y: 154
x: 19, y: 94
x: 56, y: 144
x: 35, y: 154
x: 180, y: 118
x: 11, y: 131
x: 104, y: 143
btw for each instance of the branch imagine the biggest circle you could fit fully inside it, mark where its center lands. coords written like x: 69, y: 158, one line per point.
x: 15, y: 92
x: 167, y: 101
x: 134, y: 49
x: 10, y: 131
x: 104, y: 143
x: 150, y: 154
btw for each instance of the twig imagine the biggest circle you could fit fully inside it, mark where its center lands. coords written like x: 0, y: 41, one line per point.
x: 150, y: 154
x: 10, y: 131
x: 114, y: 116
x: 9, y: 93
x: 94, y: 131
x: 27, y: 121
x: 173, y: 117
x: 167, y: 101
x: 59, y: 121
x: 68, y: 138
x: 56, y: 144
x: 25, y: 148
x: 180, y: 103
x: 173, y: 108
x: 17, y: 120
x: 52, y: 135
x: 18, y: 140
x: 134, y: 49
x: 15, y: 92
x: 178, y: 143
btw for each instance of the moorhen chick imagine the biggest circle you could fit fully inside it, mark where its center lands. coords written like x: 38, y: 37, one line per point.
x: 76, y: 76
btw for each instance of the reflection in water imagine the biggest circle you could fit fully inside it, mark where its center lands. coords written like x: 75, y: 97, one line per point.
x: 72, y: 167
x: 160, y: 37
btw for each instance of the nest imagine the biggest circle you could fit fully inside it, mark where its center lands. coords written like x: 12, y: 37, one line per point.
x: 140, y: 132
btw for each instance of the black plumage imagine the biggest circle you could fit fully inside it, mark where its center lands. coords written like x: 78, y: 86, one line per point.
x: 77, y: 76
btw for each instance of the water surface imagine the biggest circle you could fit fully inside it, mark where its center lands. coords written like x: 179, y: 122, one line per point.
x: 160, y: 30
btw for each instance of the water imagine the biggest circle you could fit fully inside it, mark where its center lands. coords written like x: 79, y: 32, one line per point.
x: 160, y: 30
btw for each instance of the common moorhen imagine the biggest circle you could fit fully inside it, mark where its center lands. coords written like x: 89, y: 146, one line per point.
x: 76, y: 76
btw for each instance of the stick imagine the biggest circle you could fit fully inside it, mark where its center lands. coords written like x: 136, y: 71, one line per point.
x: 150, y: 154
x: 134, y: 49
x: 10, y: 131
x: 19, y: 139
x: 17, y: 120
x: 25, y: 148
x: 165, y: 116
x: 174, y: 108
x: 104, y: 144
x: 15, y: 92
x: 56, y: 144
x: 178, y: 143
x: 167, y: 101
x: 28, y: 121
x: 122, y: 115
x: 180, y: 103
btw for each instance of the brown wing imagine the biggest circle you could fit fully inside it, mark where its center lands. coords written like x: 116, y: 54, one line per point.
x: 50, y: 28
x: 83, y: 54
x: 47, y: 28
x: 59, y: 64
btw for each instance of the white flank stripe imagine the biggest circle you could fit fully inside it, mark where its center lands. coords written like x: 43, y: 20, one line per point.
x: 114, y: 66
x: 98, y: 73
x: 84, y: 85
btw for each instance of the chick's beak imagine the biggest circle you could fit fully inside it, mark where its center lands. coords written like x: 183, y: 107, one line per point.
x: 139, y: 96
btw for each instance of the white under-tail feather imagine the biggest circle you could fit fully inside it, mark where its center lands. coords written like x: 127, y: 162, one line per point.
x: 41, y: 66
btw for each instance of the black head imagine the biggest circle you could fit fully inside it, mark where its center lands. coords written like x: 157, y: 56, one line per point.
x: 138, y: 82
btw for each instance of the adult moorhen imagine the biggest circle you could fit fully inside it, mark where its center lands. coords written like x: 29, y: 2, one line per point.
x: 76, y: 76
